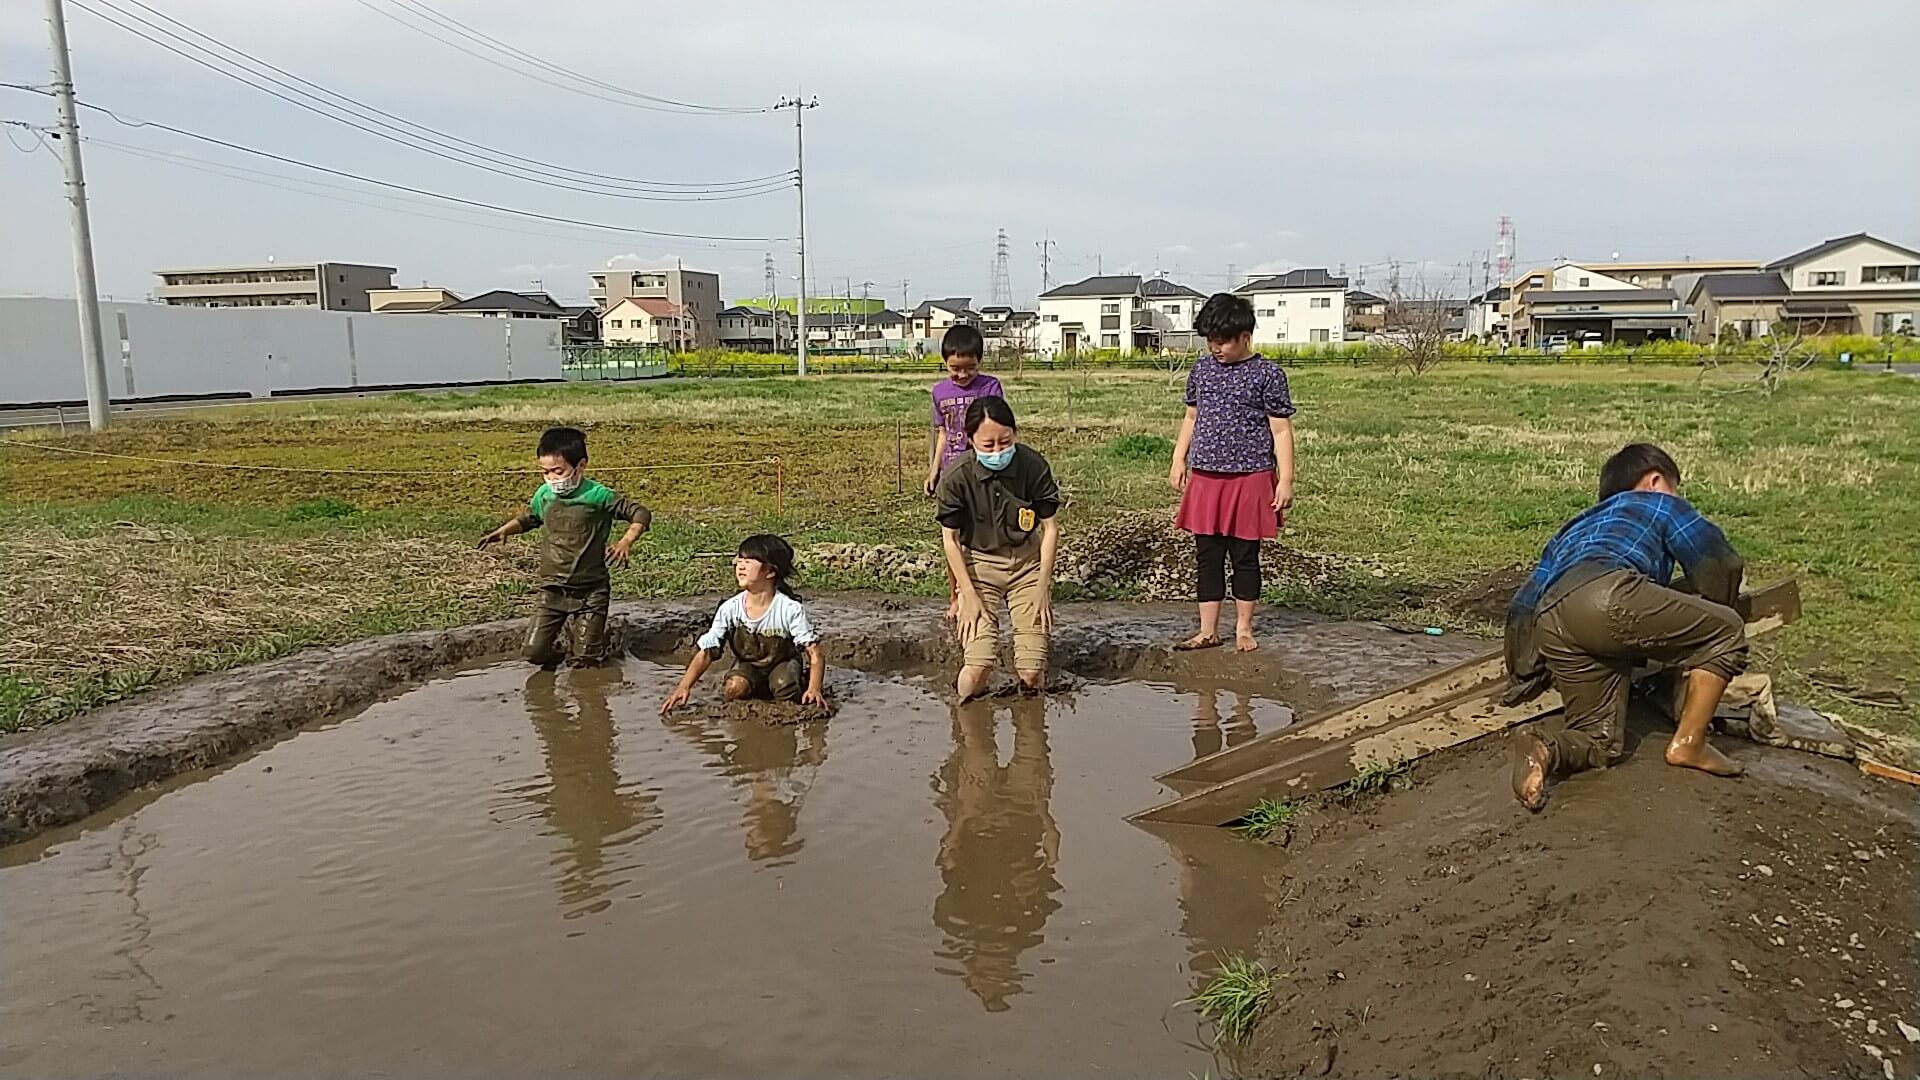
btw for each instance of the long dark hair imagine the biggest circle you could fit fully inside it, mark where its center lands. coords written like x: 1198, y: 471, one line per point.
x: 775, y: 554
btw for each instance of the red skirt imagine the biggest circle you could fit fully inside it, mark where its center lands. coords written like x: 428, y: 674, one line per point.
x: 1239, y: 505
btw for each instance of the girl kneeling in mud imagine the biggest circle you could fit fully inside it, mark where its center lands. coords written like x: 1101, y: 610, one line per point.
x: 997, y: 514
x: 766, y: 628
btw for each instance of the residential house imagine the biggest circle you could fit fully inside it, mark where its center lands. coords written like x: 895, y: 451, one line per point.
x: 420, y: 301
x: 1107, y: 311
x: 1671, y: 274
x: 1301, y: 307
x: 1487, y: 315
x: 583, y: 325
x: 932, y: 317
x: 884, y: 330
x: 1856, y: 284
x: 1578, y: 300
x: 647, y: 320
x: 507, y: 304
x: 1366, y: 313
x: 1171, y: 308
x: 695, y: 293
x: 751, y: 329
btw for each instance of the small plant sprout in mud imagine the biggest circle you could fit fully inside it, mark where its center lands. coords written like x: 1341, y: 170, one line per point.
x: 1376, y: 778
x: 1235, y: 997
x: 1268, y: 817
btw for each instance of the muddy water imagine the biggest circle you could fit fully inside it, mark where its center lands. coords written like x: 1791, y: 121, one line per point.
x: 507, y: 872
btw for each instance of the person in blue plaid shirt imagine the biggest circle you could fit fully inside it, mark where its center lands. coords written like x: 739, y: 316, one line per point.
x: 1600, y: 603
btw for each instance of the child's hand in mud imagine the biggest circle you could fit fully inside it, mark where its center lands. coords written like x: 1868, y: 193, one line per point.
x: 674, y: 700
x: 815, y: 698
x: 489, y: 540
x: 620, y: 552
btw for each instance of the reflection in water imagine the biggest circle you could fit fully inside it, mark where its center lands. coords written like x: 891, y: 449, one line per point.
x: 1211, y: 731
x: 776, y: 763
x: 998, y: 856
x: 586, y: 801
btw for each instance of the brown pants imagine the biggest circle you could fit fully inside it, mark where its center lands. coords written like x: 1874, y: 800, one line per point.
x: 783, y: 681
x: 1013, y: 579
x: 582, y: 613
x: 1595, y: 636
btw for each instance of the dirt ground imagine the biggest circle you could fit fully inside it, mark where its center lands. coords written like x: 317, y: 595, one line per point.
x: 1650, y: 922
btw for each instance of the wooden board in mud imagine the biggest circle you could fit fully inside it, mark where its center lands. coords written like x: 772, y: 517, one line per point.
x: 1445, y: 709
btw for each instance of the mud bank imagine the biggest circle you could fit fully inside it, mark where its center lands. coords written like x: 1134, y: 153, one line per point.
x: 1651, y: 922
x: 53, y: 776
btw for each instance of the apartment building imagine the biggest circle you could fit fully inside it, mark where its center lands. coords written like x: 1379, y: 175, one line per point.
x: 1300, y: 307
x: 695, y: 293
x: 330, y: 285
x: 424, y: 300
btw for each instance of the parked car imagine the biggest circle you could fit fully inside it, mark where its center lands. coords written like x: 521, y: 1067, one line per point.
x: 1591, y: 340
x: 1556, y: 343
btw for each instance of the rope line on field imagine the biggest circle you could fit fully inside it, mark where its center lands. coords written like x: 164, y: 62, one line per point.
x: 314, y: 470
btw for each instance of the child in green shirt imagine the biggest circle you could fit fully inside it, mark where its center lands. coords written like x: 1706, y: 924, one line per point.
x: 578, y: 514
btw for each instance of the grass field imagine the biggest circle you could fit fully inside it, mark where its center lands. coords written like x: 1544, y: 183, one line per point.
x: 127, y: 574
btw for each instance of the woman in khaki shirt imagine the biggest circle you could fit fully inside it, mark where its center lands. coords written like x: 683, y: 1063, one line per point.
x: 998, y: 519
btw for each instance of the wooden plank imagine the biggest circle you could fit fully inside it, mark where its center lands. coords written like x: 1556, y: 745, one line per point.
x: 1323, y: 764
x: 1766, y: 608
x: 1393, y: 705
x: 1336, y: 748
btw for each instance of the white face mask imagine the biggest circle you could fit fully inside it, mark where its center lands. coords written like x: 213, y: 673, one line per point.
x: 566, y: 486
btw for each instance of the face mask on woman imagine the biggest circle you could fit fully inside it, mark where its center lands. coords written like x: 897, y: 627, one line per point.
x: 995, y: 460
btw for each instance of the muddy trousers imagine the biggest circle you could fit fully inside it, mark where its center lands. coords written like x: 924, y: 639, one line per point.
x: 580, y: 615
x: 784, y: 681
x: 1012, y: 579
x: 1212, y: 553
x: 1594, y: 637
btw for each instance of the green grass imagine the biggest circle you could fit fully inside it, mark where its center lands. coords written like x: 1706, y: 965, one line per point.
x: 1234, y: 998
x: 1416, y: 487
x: 1268, y: 816
x: 1375, y: 778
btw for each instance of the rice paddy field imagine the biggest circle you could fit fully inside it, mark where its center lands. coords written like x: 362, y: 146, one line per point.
x: 310, y: 523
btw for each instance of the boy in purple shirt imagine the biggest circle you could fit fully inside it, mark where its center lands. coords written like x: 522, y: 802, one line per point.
x: 961, y: 349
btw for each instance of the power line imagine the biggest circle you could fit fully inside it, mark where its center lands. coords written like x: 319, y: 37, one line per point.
x: 440, y: 149
x: 269, y: 155
x: 637, y: 183
x: 423, y: 8
x: 630, y: 98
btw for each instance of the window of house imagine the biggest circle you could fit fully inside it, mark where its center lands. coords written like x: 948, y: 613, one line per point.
x: 1267, y: 313
x: 1110, y: 309
x: 1109, y: 322
x: 1280, y: 303
x: 1109, y: 341
x: 1826, y: 277
x: 1587, y: 281
x: 1052, y: 318
x: 1889, y: 275
x: 615, y: 323
x: 1320, y: 335
x: 1172, y: 309
x: 1320, y: 302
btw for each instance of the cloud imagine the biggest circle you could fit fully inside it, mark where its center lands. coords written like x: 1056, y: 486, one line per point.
x: 635, y: 260
x: 1177, y: 249
x: 537, y: 268
x: 1273, y: 266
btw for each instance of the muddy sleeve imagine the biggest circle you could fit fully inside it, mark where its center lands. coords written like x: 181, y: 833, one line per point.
x: 1712, y: 567
x: 950, y: 500
x: 531, y: 517
x: 626, y: 509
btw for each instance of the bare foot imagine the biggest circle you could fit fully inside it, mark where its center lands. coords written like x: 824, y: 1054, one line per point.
x: 1198, y: 642
x: 1531, y: 759
x: 1244, y: 641
x: 1701, y: 755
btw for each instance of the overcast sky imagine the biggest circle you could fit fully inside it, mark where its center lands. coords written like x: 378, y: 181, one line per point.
x: 1182, y: 137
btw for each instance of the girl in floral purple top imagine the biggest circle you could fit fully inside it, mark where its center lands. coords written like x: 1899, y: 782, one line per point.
x: 1233, y: 466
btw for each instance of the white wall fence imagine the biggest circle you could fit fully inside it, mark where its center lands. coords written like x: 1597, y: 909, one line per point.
x: 155, y: 351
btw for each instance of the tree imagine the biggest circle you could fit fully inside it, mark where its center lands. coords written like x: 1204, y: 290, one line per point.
x: 1419, y: 323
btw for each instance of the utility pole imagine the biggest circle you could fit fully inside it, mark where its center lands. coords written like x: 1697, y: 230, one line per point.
x: 773, y: 306
x: 799, y: 108
x: 1046, y: 247
x: 866, y: 311
x: 93, y: 360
